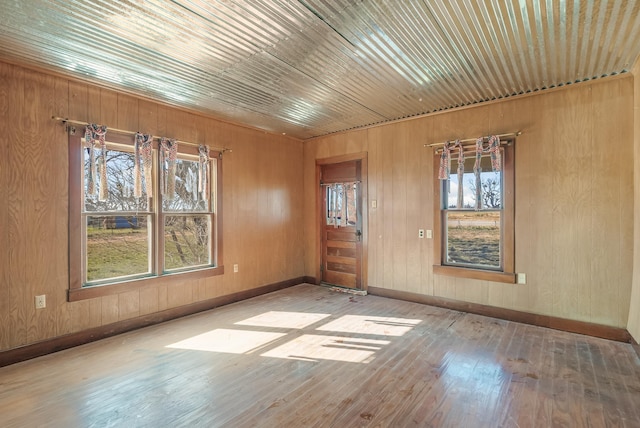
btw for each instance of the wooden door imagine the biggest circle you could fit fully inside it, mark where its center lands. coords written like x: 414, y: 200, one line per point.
x: 341, y: 228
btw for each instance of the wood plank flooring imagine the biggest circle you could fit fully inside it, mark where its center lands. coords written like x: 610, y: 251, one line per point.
x: 310, y: 357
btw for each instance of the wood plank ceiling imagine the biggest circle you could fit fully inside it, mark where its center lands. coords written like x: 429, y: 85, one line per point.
x: 313, y: 67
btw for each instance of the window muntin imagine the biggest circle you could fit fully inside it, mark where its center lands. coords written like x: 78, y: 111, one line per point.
x: 122, y: 227
x: 472, y: 236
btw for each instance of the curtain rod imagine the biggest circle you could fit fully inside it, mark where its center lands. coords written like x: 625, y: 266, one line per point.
x: 338, y: 182
x: 123, y: 131
x: 468, y: 140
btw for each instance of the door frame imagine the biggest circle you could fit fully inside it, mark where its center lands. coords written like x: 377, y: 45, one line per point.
x: 362, y: 157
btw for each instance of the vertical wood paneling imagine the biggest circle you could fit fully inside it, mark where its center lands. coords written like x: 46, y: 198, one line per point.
x: 399, y: 179
x: 148, y: 117
x: 6, y: 83
x: 265, y: 238
x: 626, y: 198
x: 94, y: 105
x: 78, y: 101
x: 608, y: 195
x: 60, y: 157
x: 571, y: 222
x: 163, y: 301
x: 128, y: 305
x: 19, y: 307
x: 266, y: 196
x: 387, y: 137
x: 571, y: 239
x: 424, y: 131
x: 373, y: 218
x: 414, y: 206
x: 108, y: 107
x: 538, y: 238
x: 127, y: 113
x: 35, y: 210
x: 83, y: 315
x: 148, y: 301
x: 41, y: 203
x: 109, y: 309
x: 246, y: 197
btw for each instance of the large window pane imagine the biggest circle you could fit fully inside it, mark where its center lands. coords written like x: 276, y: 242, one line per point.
x: 186, y: 241
x: 120, y: 169
x: 117, y: 246
x: 341, y: 201
x: 490, y: 183
x: 473, y: 238
x: 187, y: 197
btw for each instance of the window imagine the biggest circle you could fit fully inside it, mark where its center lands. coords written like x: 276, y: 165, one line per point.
x: 474, y: 216
x: 131, y: 225
x: 341, y: 204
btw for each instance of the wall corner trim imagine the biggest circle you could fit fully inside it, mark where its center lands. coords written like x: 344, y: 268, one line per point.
x: 27, y: 352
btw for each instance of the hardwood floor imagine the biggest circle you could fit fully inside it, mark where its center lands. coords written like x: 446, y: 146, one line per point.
x: 307, y: 356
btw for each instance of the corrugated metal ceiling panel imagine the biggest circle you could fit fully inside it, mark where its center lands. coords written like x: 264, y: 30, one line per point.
x: 308, y: 68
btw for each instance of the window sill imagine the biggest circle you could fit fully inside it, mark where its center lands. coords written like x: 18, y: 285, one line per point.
x: 483, y: 275
x: 91, y: 292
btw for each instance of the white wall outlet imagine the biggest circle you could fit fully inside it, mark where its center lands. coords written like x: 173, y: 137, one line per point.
x: 41, y: 301
x: 522, y: 278
x: 420, y: 233
x: 235, y: 268
x: 429, y: 234
x: 374, y: 204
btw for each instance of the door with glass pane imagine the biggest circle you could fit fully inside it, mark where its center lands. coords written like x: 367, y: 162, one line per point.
x: 341, y: 262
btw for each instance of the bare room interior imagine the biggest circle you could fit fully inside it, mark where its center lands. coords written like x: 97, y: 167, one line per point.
x: 319, y: 213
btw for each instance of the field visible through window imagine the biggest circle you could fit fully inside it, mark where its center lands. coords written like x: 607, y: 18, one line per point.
x: 116, y: 252
x: 473, y: 238
x: 123, y: 250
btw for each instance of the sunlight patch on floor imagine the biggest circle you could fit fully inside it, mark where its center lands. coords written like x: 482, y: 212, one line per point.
x: 227, y: 341
x: 314, y: 347
x: 367, y: 324
x: 279, y: 319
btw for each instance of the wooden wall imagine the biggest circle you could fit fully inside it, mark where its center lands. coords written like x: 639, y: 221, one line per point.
x: 574, y: 200
x: 262, y: 205
x: 634, y: 311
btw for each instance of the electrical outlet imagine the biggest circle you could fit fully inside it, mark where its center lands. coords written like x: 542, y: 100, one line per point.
x: 421, y: 233
x: 235, y: 268
x: 41, y: 301
x: 374, y: 204
x: 522, y: 278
